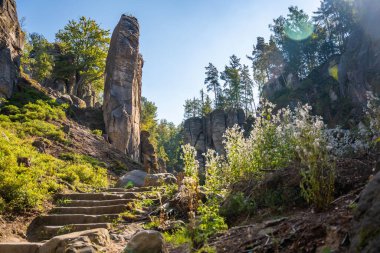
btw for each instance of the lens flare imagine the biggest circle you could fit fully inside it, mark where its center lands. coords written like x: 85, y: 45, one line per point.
x: 300, y: 30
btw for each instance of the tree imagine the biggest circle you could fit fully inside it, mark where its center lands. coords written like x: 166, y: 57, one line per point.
x: 206, y: 106
x: 193, y: 108
x: 336, y: 18
x: 247, y: 87
x: 298, y: 41
x: 84, y: 46
x: 148, y: 120
x: 232, y: 85
x: 37, y: 61
x: 212, y: 83
x: 170, y: 139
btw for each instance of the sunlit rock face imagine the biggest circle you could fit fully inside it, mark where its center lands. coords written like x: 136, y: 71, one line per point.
x: 359, y: 67
x: 11, y: 44
x: 122, y: 91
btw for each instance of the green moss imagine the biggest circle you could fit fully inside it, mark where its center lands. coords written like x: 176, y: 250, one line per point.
x: 366, y: 235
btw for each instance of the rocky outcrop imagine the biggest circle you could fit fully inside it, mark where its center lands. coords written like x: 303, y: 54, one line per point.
x: 337, y: 89
x: 207, y: 132
x: 366, y: 227
x: 359, y: 67
x: 122, y: 91
x: 11, y: 44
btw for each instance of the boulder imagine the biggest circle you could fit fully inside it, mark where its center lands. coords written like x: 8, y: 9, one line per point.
x: 365, y: 234
x: 147, y: 241
x: 122, y: 91
x: 159, y: 179
x: 11, y: 44
x: 89, y: 241
x: 77, y: 102
x: 135, y: 177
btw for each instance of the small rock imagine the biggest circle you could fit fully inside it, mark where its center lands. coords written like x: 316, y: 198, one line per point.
x: 148, y: 241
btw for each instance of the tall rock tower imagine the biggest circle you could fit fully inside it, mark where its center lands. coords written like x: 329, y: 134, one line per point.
x: 122, y: 91
x: 11, y: 44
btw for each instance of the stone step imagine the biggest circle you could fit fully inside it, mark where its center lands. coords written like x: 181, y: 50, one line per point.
x: 97, y: 196
x: 96, y: 210
x: 20, y: 247
x: 91, y: 203
x: 136, y: 189
x: 47, y: 232
x: 66, y: 219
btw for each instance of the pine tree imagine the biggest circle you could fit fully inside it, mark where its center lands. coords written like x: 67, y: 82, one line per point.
x: 212, y: 83
x: 247, y: 90
x: 232, y: 85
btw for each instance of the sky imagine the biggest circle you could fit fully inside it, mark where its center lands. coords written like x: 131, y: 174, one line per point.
x: 178, y: 38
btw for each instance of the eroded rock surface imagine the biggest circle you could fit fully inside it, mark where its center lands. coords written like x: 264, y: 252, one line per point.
x: 11, y: 44
x: 207, y: 132
x: 122, y: 91
x: 366, y: 226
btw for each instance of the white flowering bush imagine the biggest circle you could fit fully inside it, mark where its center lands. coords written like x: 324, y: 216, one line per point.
x: 190, y: 162
x: 318, y: 171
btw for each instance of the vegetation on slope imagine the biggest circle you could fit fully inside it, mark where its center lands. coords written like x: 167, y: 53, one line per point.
x: 28, y: 176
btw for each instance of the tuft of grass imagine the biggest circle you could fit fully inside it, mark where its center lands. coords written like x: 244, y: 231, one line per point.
x: 178, y: 238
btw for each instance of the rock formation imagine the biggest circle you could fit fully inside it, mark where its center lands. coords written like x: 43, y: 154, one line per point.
x: 148, y: 154
x: 207, y: 132
x: 122, y: 91
x: 11, y: 44
x: 365, y: 234
x: 337, y: 89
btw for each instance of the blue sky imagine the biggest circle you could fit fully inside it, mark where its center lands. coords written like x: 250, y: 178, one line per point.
x: 178, y: 37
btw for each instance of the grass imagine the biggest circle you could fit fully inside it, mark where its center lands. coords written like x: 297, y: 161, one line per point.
x: 30, y: 115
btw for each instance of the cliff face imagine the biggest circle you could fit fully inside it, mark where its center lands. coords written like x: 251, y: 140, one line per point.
x: 337, y: 89
x: 11, y: 44
x: 122, y: 92
x: 359, y: 67
x: 207, y: 132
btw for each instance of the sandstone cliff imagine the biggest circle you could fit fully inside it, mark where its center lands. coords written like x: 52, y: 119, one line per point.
x: 207, y: 132
x: 122, y: 91
x: 11, y: 44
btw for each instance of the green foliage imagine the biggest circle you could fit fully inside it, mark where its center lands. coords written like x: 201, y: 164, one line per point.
x: 191, y: 165
x: 97, y: 132
x: 36, y: 59
x: 178, y: 238
x: 209, y: 224
x: 84, y: 46
x: 237, y: 204
x: 24, y: 188
x: 149, y: 120
x: 318, y: 179
x: 26, y: 116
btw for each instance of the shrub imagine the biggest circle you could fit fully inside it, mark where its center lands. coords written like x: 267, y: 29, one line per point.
x: 209, y: 224
x: 189, y: 157
x: 97, y: 132
x: 318, y: 177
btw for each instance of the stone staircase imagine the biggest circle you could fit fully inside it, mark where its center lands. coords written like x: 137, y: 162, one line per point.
x: 77, y: 212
